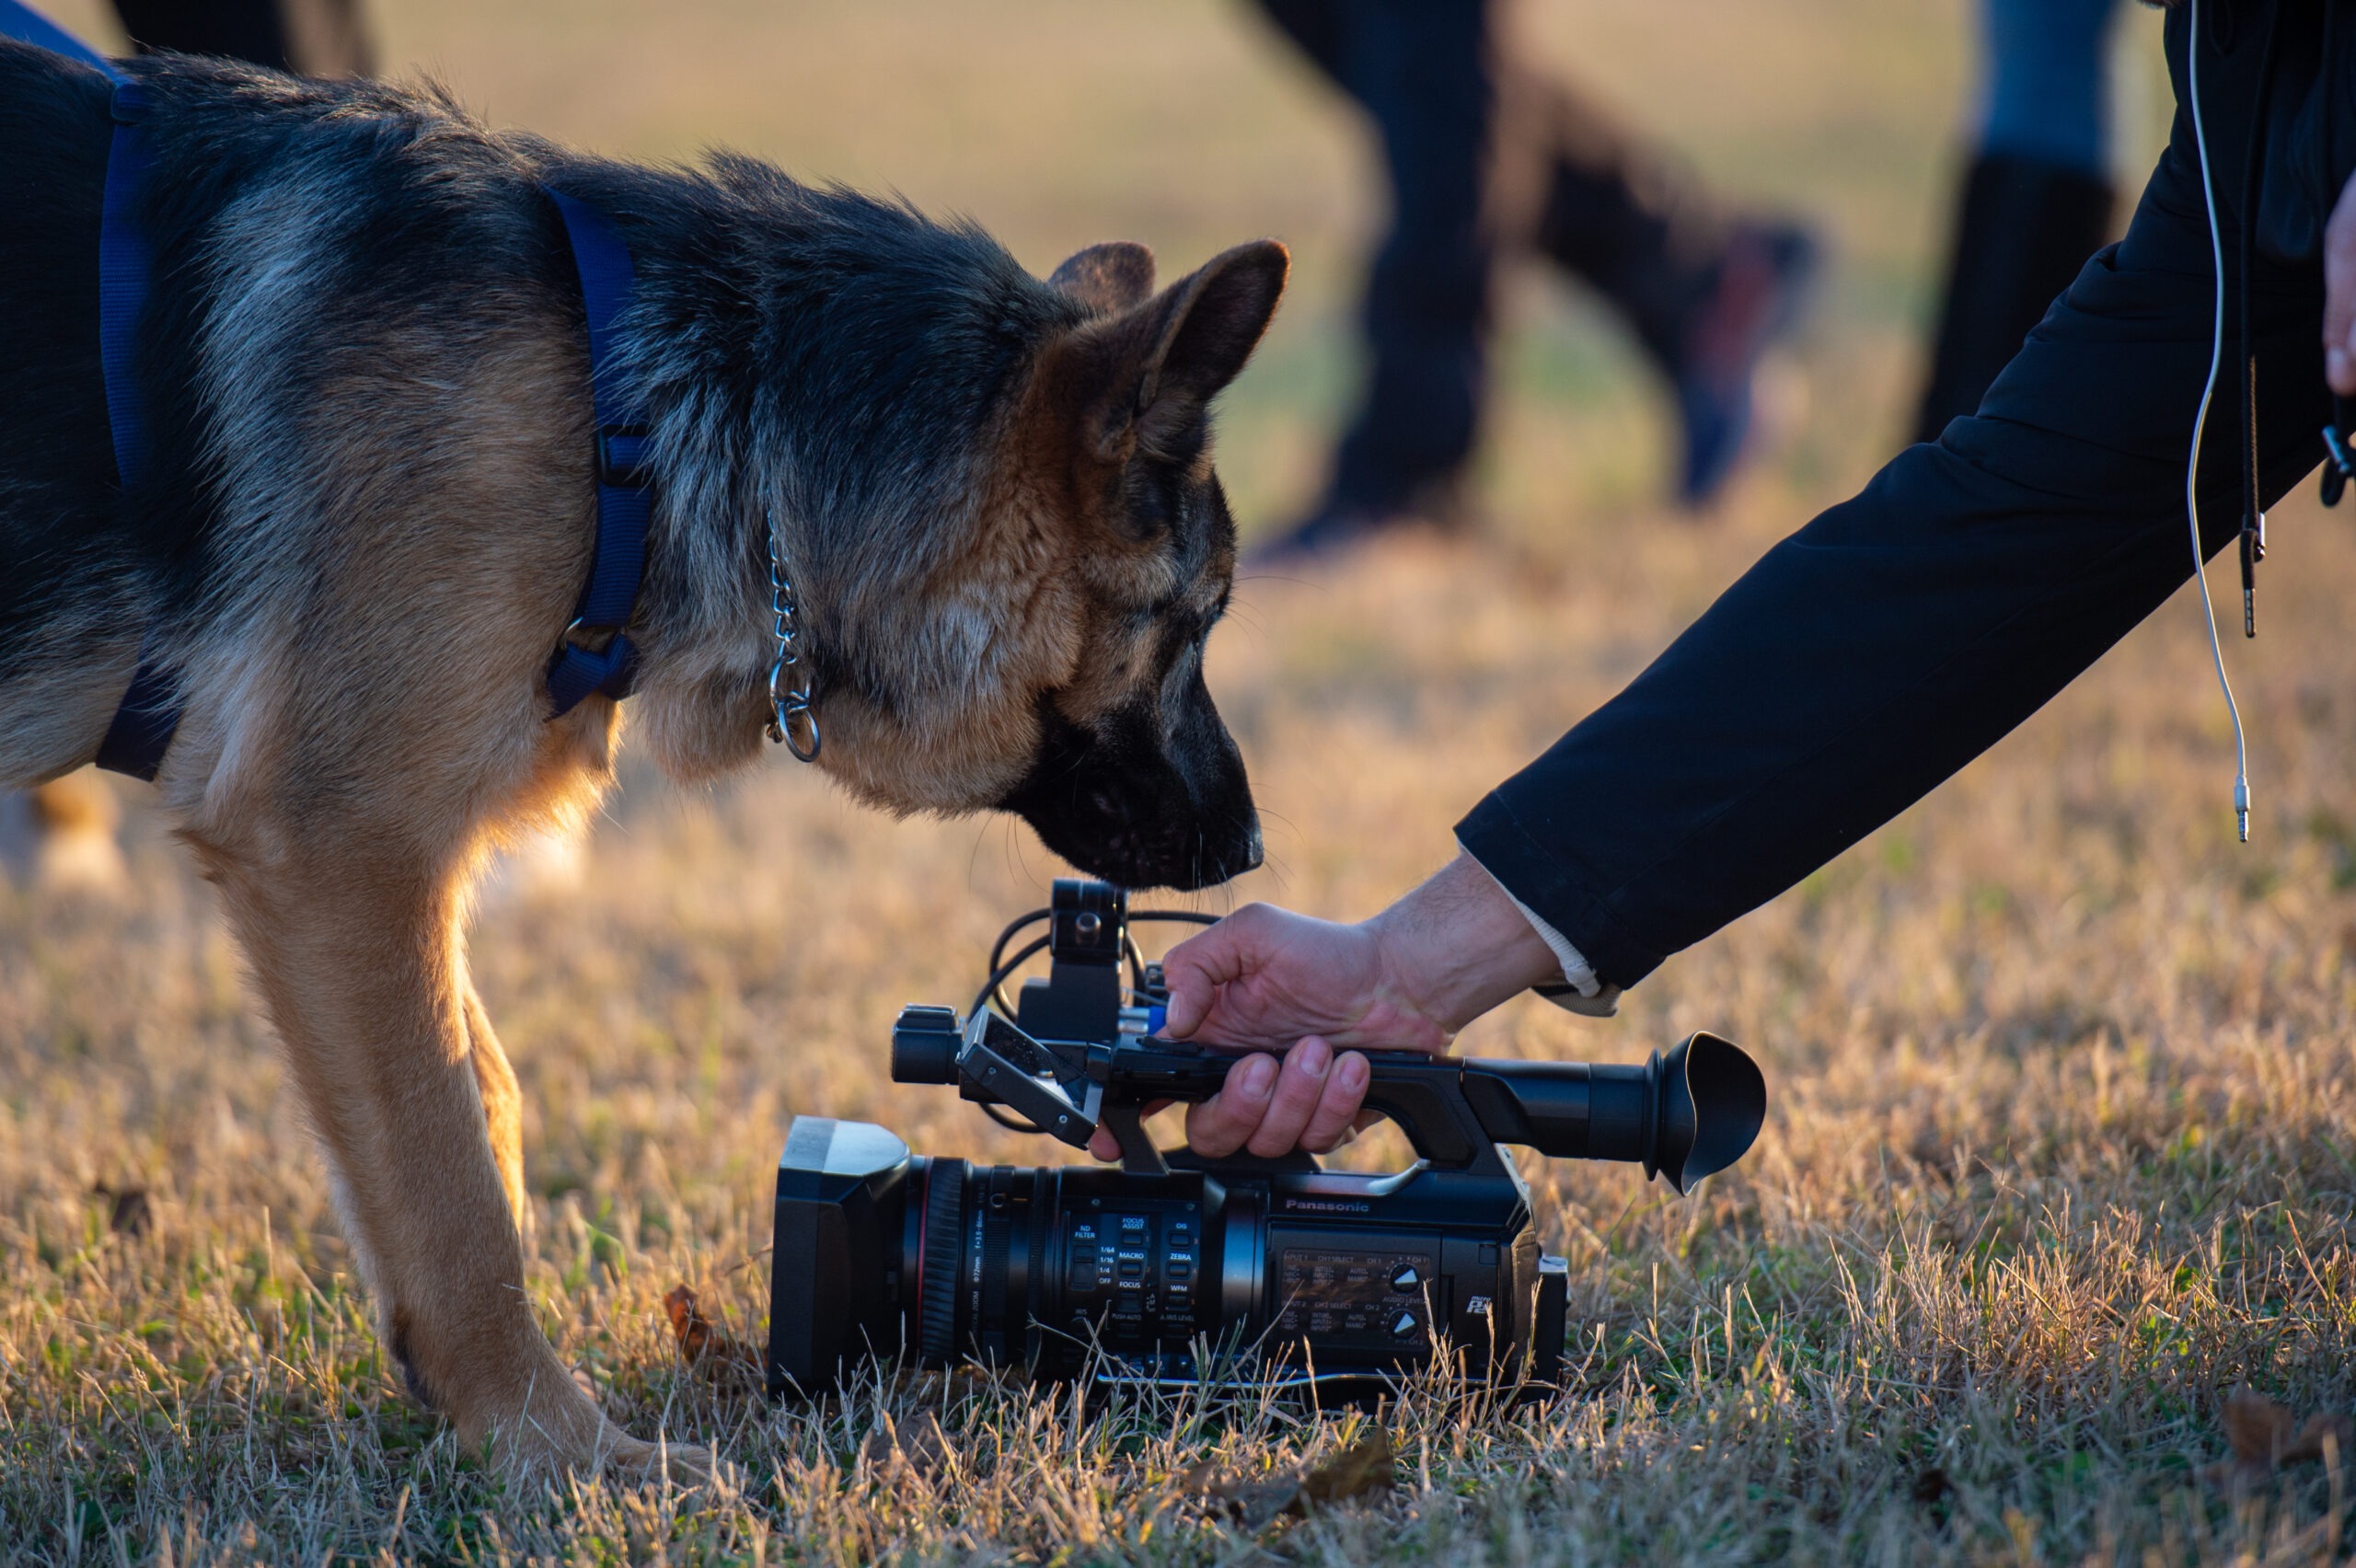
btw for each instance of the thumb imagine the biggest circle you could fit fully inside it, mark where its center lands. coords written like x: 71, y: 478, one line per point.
x: 1195, y: 970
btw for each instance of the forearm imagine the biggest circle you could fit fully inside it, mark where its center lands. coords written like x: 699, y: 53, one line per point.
x: 1457, y: 946
x: 1855, y: 667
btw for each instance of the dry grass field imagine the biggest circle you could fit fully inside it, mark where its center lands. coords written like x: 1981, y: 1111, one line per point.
x: 2059, y: 1152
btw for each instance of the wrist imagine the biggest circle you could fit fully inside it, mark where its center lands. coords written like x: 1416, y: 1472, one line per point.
x: 1458, y: 946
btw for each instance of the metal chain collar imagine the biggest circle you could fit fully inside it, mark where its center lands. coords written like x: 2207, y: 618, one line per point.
x: 790, y: 715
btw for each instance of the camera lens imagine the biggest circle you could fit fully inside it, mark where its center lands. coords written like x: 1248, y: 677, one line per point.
x: 886, y: 1258
x: 936, y: 1259
x: 1044, y: 1269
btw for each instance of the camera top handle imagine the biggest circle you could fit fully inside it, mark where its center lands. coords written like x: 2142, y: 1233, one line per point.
x: 1684, y: 1115
x: 1073, y: 1057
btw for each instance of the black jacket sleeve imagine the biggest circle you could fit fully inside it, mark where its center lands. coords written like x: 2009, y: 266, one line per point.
x: 1876, y: 652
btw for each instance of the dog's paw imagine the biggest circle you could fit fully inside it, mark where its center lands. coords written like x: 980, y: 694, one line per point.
x: 535, y: 1452
x: 649, y: 1464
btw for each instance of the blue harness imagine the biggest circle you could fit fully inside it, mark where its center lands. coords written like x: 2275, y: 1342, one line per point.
x: 594, y: 654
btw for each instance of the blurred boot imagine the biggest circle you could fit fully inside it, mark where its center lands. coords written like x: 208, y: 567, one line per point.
x: 310, y: 38
x: 1705, y: 292
x: 2024, y: 230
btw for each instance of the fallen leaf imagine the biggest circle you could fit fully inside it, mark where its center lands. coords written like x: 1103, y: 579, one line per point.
x: 2265, y: 1436
x: 922, y: 1450
x: 700, y: 1340
x: 1364, y: 1467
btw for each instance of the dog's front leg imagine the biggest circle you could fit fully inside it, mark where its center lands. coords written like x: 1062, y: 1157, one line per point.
x: 362, y: 969
x: 502, y: 1107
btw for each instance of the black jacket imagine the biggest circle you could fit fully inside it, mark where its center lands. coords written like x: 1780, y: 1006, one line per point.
x: 1897, y: 636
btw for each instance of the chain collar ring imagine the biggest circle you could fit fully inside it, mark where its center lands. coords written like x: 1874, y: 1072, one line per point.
x: 793, y: 723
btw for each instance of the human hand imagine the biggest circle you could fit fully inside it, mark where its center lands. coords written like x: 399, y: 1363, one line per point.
x: 2339, y: 292
x: 1289, y: 989
x: 1267, y: 980
x: 1308, y: 1098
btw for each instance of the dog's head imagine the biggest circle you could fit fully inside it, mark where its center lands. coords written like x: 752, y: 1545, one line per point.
x: 1055, y: 669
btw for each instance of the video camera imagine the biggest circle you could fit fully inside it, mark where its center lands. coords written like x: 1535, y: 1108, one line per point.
x: 1177, y: 1268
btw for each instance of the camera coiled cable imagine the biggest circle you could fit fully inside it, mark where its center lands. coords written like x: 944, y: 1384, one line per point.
x: 993, y: 991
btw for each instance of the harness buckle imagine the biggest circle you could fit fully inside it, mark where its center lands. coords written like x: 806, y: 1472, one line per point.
x: 589, y: 638
x: 622, y: 456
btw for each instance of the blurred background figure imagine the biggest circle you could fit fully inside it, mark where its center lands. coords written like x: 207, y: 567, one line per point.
x: 60, y: 838
x: 2037, y: 198
x: 1487, y: 158
x: 310, y: 38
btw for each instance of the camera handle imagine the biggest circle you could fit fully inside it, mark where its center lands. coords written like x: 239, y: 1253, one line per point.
x: 1423, y: 1094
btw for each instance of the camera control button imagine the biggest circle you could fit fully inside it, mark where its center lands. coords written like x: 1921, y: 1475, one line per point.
x: 1405, y: 1326
x: 1406, y: 1276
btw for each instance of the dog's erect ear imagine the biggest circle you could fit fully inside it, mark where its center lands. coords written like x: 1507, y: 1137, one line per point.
x: 1110, y: 278
x: 1158, y: 366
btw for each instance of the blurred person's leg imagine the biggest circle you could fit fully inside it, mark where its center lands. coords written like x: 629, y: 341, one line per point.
x: 312, y: 38
x: 1481, y: 154
x: 1422, y: 73
x: 2036, y: 199
x: 1703, y: 289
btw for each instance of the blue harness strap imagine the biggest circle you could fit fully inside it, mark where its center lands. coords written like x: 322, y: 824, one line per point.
x: 141, y: 731
x: 625, y: 499
x: 143, y: 723
x: 594, y: 655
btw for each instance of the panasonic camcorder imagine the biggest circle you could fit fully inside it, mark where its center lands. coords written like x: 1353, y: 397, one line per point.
x: 1177, y: 1269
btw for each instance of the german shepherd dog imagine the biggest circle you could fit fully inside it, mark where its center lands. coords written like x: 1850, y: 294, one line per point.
x: 370, y: 512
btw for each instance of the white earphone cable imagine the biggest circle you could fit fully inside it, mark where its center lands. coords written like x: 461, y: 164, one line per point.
x: 2200, y: 420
